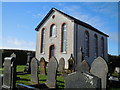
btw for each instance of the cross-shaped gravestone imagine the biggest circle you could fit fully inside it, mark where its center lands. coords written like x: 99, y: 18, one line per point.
x: 27, y: 68
x: 42, y: 66
x: 52, y: 71
x: 61, y: 65
x: 99, y: 68
x: 34, y: 71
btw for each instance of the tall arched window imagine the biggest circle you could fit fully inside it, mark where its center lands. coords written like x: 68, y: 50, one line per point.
x: 42, y: 40
x: 53, y: 30
x: 63, y: 41
x: 102, y: 47
x: 86, y: 51
x: 95, y: 46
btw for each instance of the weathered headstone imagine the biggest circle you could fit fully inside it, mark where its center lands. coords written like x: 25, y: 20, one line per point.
x: 71, y: 64
x: 80, y: 57
x: 61, y: 65
x: 9, y: 77
x: 83, y: 66
x: 42, y: 66
x: 99, y: 68
x: 27, y: 68
x: 52, y: 70
x: 82, y: 81
x: 13, y: 55
x: 34, y: 71
x: 1, y: 82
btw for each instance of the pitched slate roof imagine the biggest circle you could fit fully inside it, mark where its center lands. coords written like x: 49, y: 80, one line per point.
x: 72, y: 18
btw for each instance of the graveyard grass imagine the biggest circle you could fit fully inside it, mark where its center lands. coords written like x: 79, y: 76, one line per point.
x: 25, y: 79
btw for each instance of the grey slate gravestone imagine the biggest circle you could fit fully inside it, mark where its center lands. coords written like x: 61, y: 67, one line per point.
x: 52, y: 70
x: 99, y: 68
x: 8, y: 79
x: 61, y: 65
x: 34, y: 71
x: 82, y: 81
x: 42, y: 66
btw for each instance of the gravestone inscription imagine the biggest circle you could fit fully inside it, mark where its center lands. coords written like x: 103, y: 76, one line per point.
x: 42, y: 66
x: 52, y: 71
x: 99, y: 68
x: 61, y: 65
x: 34, y: 71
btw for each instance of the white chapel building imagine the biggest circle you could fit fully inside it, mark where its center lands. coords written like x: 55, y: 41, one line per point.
x: 61, y: 35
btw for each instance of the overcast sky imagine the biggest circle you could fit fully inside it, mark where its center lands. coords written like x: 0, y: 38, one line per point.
x: 19, y: 20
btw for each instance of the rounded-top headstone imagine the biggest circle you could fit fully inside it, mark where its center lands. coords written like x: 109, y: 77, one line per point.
x: 34, y: 71
x: 42, y: 66
x: 99, y: 68
x: 52, y: 71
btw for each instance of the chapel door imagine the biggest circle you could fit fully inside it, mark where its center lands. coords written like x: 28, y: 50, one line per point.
x: 52, y: 51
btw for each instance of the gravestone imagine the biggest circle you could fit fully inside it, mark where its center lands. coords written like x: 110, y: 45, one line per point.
x: 42, y: 66
x: 80, y: 57
x: 61, y: 65
x: 1, y: 81
x: 52, y: 71
x: 82, y: 81
x: 83, y: 66
x: 71, y: 65
x: 34, y: 71
x: 27, y: 68
x: 99, y: 68
x: 9, y: 76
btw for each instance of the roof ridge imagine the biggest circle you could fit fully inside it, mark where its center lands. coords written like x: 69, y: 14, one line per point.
x: 71, y: 17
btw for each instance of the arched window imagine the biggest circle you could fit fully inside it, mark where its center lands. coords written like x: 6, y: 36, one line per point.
x: 42, y: 40
x: 95, y: 46
x: 53, y: 30
x: 102, y: 47
x: 63, y: 41
x: 86, y: 49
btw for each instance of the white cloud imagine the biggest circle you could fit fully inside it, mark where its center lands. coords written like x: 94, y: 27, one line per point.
x: 14, y: 43
x: 38, y: 15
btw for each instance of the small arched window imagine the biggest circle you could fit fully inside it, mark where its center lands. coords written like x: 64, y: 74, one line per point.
x: 42, y: 40
x: 86, y: 49
x: 63, y: 41
x: 95, y: 46
x: 102, y: 47
x: 53, y: 30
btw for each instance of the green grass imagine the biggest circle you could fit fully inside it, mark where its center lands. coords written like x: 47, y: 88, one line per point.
x: 1, y: 70
x: 25, y: 79
x: 115, y: 74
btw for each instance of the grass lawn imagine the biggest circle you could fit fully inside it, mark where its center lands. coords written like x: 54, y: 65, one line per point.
x: 1, y: 70
x: 25, y: 79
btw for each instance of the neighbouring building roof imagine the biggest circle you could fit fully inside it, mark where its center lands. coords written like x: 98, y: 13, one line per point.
x: 72, y: 18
